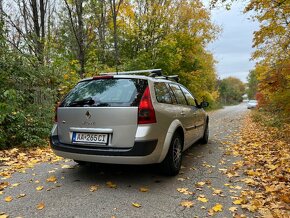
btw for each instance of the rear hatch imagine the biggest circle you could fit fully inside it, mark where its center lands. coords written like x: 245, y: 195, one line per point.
x: 102, y: 111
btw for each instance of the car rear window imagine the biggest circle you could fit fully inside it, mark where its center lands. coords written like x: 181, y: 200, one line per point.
x: 106, y: 93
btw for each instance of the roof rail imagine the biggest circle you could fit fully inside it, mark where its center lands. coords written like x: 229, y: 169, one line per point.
x: 153, y: 72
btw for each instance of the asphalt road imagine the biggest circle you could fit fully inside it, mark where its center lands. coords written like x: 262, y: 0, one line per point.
x: 70, y: 195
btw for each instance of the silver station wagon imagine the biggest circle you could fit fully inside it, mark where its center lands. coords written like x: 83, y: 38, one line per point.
x: 127, y: 118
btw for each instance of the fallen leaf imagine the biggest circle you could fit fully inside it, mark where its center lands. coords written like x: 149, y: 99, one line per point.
x: 67, y: 166
x: 142, y: 189
x: 39, y: 188
x: 187, y: 204
x: 217, y: 207
x: 233, y: 209
x: 94, y: 188
x: 136, y: 205
x: 40, y: 206
x: 202, y: 199
x: 3, y: 215
x: 184, y: 191
x: 21, y: 195
x: 111, y: 184
x: 200, y: 183
x: 51, y: 179
x: 265, y: 212
x: 15, y: 184
x: 238, y: 202
x: 8, y: 198
x: 217, y: 191
x: 3, y: 185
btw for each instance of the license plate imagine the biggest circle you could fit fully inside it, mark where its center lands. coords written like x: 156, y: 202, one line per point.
x: 90, y: 138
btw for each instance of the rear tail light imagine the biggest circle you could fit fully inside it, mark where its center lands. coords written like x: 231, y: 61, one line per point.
x: 146, y: 113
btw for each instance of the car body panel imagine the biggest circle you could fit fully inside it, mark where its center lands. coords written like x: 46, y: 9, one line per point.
x: 121, y: 124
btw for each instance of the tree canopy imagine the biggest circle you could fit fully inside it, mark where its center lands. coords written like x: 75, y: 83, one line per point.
x: 48, y: 45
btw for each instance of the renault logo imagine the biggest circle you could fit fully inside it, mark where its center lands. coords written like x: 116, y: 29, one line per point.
x: 88, y: 115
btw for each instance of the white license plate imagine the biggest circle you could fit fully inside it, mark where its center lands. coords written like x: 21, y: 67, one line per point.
x: 90, y: 137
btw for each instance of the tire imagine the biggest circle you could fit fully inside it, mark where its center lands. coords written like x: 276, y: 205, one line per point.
x: 204, y: 139
x: 81, y: 163
x: 170, y: 166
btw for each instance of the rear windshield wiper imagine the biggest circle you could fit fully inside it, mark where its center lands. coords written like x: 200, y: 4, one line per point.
x: 86, y: 101
x: 102, y: 105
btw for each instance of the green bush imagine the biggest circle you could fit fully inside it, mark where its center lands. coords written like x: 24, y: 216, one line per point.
x: 26, y: 104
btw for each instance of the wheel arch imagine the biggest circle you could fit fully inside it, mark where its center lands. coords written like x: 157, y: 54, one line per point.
x: 175, y: 126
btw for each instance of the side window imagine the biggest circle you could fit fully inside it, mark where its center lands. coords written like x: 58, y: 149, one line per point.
x: 162, y: 93
x: 188, y: 96
x: 178, y: 94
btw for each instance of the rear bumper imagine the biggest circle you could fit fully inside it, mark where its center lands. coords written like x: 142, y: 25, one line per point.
x: 143, y: 152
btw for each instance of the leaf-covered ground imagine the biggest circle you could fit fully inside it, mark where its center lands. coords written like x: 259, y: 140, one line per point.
x: 266, y: 162
x: 242, y: 172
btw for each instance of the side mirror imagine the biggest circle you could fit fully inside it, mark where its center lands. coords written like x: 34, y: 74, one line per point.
x: 204, y: 104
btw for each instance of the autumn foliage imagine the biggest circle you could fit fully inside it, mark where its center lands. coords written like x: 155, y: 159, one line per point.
x: 272, y: 44
x: 266, y: 154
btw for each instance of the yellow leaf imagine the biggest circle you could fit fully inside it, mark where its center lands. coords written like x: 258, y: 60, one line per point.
x: 15, y: 184
x: 233, y: 209
x: 202, y: 199
x: 251, y: 208
x: 40, y: 206
x: 51, y: 179
x: 217, y: 191
x: 249, y: 181
x: 184, y: 191
x: 111, y: 184
x: 8, y: 198
x: 136, y: 205
x: 3, y: 215
x: 67, y: 167
x: 142, y: 189
x: 94, y: 188
x: 39, y: 188
x: 237, y: 202
x: 187, y: 204
x: 200, y: 183
x: 21, y: 195
x: 217, y: 207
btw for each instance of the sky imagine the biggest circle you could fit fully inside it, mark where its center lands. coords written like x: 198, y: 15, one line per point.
x: 233, y: 47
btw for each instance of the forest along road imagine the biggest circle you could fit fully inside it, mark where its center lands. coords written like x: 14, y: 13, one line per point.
x: 70, y: 194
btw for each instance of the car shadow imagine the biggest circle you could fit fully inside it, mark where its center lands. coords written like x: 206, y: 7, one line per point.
x: 93, y: 171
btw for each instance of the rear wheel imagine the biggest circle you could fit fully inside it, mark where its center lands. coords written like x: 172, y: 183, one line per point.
x: 204, y: 139
x: 172, y: 162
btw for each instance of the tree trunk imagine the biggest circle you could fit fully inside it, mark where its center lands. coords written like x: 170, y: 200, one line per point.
x: 80, y: 34
x: 114, y: 10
